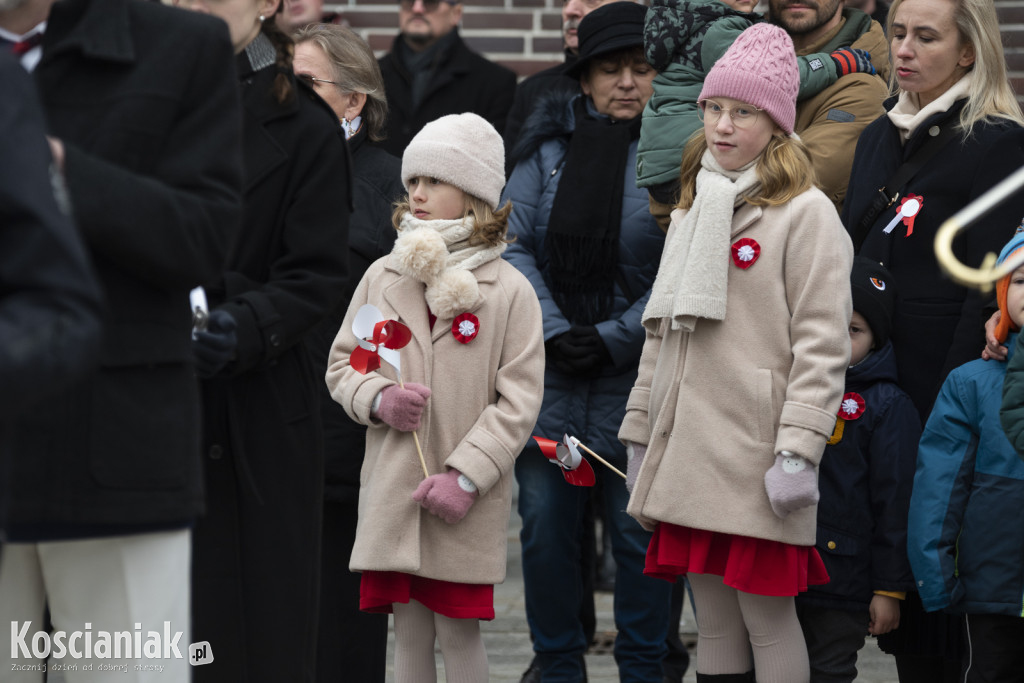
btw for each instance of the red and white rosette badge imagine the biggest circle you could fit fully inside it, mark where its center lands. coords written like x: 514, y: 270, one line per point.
x: 852, y: 406
x: 465, y: 327
x: 909, y: 208
x: 745, y: 252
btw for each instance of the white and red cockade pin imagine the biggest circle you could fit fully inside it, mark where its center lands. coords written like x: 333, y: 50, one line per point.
x: 745, y: 252
x: 851, y: 408
x: 909, y: 208
x: 465, y: 327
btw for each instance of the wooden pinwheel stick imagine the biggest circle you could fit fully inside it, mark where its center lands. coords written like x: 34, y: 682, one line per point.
x: 416, y: 439
x: 599, y: 458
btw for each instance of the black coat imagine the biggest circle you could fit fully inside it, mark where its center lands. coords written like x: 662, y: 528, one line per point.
x: 153, y: 151
x: 49, y: 299
x: 937, y: 324
x: 256, y: 552
x: 463, y: 82
x: 865, y: 481
x: 376, y: 186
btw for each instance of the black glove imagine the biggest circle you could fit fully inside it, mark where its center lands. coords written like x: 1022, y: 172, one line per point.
x: 580, y: 352
x: 215, y: 346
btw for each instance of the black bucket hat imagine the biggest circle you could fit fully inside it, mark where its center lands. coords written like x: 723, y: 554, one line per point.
x: 609, y: 28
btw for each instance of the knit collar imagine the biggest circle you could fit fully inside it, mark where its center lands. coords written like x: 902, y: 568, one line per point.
x: 908, y: 114
x: 257, y: 55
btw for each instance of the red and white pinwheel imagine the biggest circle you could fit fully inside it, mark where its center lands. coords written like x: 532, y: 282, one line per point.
x: 576, y: 470
x: 379, y: 339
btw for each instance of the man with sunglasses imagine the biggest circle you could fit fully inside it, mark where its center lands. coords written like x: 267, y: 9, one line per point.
x: 430, y: 72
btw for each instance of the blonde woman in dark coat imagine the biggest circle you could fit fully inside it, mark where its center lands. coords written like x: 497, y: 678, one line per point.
x: 257, y: 551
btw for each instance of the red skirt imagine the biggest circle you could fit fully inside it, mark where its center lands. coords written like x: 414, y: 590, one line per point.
x: 751, y: 565
x: 377, y: 590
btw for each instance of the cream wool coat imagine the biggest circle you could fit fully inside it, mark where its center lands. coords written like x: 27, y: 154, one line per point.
x: 716, y: 405
x: 485, y: 399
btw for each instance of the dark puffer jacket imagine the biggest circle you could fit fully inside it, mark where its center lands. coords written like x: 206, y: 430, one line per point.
x: 865, y: 481
x: 591, y: 409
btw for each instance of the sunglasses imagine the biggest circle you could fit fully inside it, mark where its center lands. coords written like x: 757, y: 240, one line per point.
x: 428, y: 5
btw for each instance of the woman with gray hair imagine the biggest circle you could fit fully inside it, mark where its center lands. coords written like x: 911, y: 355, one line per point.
x: 340, y: 66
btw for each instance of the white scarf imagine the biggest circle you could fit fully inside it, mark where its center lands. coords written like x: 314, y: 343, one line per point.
x: 438, y: 253
x: 908, y: 114
x: 693, y: 276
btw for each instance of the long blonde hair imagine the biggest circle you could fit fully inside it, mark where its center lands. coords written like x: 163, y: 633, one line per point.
x: 990, y: 95
x: 491, y: 225
x: 784, y: 170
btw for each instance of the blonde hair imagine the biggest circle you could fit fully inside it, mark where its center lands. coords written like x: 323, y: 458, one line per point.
x: 353, y: 68
x: 784, y: 170
x: 491, y: 225
x: 990, y: 95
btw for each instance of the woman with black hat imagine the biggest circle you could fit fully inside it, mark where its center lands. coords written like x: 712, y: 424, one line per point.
x: 585, y: 239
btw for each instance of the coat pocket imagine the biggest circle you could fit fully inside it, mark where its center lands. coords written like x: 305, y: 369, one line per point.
x: 765, y: 393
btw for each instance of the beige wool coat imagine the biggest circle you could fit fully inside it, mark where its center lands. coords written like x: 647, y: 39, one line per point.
x: 485, y: 399
x: 715, y: 405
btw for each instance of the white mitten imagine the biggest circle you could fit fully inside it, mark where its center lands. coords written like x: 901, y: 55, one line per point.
x: 791, y: 484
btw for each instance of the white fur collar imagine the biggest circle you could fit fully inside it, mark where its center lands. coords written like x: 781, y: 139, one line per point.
x: 439, y: 254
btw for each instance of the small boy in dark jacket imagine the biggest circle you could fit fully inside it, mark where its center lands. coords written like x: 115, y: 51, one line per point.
x: 966, y: 525
x: 864, y: 481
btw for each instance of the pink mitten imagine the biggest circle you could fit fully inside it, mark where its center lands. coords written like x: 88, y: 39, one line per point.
x: 447, y: 495
x: 791, y: 484
x: 402, y: 408
x: 635, y: 453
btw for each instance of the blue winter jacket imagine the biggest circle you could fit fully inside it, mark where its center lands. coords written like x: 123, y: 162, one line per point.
x: 865, y: 481
x: 966, y: 530
x: 590, y: 409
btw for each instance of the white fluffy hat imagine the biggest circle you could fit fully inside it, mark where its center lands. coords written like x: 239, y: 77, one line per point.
x: 461, y: 149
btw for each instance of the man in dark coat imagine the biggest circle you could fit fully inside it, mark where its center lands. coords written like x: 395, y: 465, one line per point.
x: 50, y: 303
x: 430, y: 73
x: 144, y: 115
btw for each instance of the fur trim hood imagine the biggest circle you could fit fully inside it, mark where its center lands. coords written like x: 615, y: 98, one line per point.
x: 552, y: 118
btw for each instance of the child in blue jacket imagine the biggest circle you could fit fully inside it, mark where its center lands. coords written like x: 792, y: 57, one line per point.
x: 864, y: 481
x: 966, y: 526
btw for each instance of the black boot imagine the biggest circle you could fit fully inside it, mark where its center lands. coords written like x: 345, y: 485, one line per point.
x: 726, y: 678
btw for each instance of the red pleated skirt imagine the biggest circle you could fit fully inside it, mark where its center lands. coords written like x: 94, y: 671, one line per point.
x: 752, y: 565
x: 377, y: 590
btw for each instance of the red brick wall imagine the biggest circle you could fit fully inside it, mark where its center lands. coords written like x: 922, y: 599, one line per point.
x: 526, y: 36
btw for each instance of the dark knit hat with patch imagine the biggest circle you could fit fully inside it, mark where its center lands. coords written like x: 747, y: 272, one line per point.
x: 874, y: 296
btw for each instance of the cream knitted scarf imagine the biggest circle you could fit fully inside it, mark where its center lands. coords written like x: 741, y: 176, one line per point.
x: 693, y: 275
x: 438, y: 254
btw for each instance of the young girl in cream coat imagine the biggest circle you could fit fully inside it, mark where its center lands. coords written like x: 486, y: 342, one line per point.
x: 431, y: 549
x: 742, y: 370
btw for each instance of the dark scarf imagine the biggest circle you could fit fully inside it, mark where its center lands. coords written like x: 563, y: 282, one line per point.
x: 582, y: 240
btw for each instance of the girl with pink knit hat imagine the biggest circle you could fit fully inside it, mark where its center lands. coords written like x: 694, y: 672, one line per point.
x: 742, y: 370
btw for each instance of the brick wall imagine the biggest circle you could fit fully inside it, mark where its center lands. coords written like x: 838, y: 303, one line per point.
x: 525, y: 35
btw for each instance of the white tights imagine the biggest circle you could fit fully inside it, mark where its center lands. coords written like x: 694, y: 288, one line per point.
x: 731, y: 624
x: 462, y: 647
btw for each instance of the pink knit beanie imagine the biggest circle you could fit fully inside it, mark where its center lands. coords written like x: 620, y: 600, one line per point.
x: 759, y: 68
